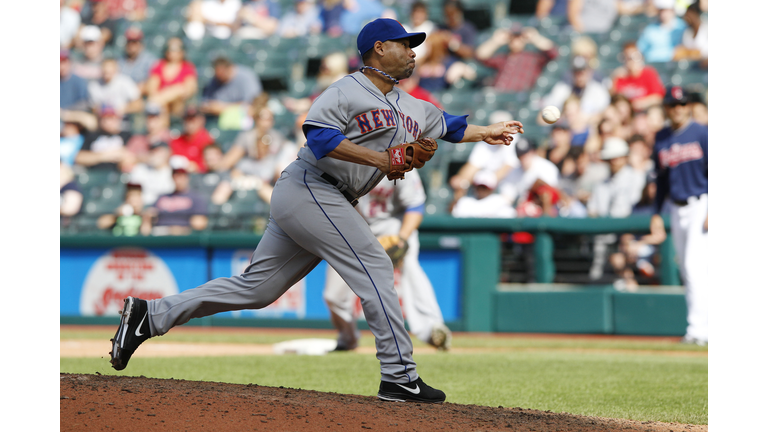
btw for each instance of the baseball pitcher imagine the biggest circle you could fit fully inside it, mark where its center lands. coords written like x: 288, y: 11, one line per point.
x: 355, y: 133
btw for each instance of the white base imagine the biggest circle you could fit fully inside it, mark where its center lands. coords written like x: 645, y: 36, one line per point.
x: 305, y: 346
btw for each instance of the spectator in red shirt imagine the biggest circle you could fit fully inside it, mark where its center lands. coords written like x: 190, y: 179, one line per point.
x: 638, y: 82
x: 518, y: 70
x: 191, y: 143
x: 173, y: 80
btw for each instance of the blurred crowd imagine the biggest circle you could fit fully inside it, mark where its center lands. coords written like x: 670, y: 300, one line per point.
x: 151, y: 119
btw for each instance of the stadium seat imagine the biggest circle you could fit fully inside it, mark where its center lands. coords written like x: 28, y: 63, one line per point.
x: 286, y: 44
x: 240, y: 212
x: 97, y: 178
x: 226, y: 139
x: 107, y: 192
x: 437, y: 203
x: 664, y: 67
x: 551, y: 27
x: 205, y: 184
x: 457, y: 101
x: 632, y: 23
x: 689, y: 78
x: 285, y: 121
x: 85, y: 224
x: 318, y: 46
x: 246, y: 203
x: 485, y: 74
x: 98, y: 207
x: 619, y: 37
x: 302, y: 88
x: 224, y: 223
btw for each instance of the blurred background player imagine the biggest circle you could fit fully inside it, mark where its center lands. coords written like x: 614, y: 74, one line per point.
x: 681, y: 159
x: 393, y: 209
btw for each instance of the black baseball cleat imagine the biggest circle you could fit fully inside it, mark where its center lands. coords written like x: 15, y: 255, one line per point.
x: 417, y: 391
x: 133, y: 330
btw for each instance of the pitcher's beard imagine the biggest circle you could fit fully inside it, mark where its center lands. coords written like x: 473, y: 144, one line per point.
x: 408, y: 72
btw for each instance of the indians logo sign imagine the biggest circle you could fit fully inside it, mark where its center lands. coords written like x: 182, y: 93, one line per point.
x: 121, y: 273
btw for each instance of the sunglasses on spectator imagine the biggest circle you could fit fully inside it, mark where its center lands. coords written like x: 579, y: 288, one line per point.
x: 677, y: 104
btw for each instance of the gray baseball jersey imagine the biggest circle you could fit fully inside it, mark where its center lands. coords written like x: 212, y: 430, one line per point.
x: 356, y: 108
x: 311, y: 220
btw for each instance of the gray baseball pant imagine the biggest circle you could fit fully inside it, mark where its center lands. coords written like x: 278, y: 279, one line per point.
x: 310, y: 221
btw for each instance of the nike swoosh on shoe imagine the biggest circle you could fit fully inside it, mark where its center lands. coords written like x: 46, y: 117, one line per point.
x: 415, y: 391
x: 138, y: 329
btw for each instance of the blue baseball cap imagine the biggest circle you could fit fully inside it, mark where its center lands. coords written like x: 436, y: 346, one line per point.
x: 385, y: 29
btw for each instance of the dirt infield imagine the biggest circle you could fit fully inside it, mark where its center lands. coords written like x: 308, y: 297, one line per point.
x: 100, y: 402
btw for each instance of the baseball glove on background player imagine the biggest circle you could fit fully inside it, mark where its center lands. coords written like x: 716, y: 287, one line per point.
x: 396, y: 252
x: 421, y: 151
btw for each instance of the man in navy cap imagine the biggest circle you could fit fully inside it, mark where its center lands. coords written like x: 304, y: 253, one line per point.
x: 349, y: 128
x: 681, y: 159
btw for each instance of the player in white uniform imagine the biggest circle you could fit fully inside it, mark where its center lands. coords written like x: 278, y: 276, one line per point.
x: 393, y: 208
x: 312, y: 214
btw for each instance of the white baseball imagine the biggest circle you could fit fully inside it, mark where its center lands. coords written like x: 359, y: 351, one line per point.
x: 550, y: 114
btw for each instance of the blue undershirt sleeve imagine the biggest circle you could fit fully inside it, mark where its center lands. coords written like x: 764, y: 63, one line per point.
x: 322, y: 140
x: 455, y: 125
x: 416, y: 209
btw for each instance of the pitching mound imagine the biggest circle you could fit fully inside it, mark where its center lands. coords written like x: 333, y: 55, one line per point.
x: 99, y: 402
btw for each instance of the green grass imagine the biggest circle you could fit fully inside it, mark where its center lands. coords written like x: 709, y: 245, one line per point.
x: 639, y: 380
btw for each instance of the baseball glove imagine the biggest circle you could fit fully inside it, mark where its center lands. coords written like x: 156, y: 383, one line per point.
x: 421, y: 151
x: 396, y: 252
